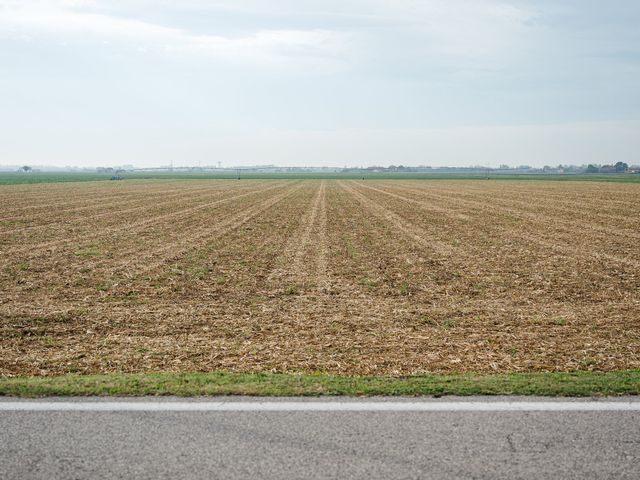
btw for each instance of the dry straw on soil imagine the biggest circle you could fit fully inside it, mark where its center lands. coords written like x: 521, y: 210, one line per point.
x: 348, y: 277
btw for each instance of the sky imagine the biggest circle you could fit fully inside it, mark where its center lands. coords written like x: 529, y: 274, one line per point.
x: 319, y: 82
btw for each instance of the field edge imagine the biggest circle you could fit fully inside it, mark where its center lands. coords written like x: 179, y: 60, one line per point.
x: 574, y: 384
x: 15, y: 178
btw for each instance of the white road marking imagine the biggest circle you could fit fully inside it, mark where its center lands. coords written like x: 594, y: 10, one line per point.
x: 320, y: 406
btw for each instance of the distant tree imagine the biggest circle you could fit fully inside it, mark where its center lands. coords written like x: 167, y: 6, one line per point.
x: 621, y: 167
x: 26, y: 168
x: 592, y: 169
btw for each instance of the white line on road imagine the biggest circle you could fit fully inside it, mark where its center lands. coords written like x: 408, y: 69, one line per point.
x: 321, y: 406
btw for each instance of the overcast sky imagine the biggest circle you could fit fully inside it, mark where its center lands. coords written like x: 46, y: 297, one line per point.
x: 322, y: 82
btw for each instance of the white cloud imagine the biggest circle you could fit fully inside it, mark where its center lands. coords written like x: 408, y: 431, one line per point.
x: 450, y: 27
x: 327, y: 35
x: 61, y: 18
x: 299, y: 48
x: 461, y: 27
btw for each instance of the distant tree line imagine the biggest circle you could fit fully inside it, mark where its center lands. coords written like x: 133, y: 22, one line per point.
x: 619, y: 167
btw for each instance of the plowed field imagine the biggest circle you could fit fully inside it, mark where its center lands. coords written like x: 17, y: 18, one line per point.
x: 349, y: 277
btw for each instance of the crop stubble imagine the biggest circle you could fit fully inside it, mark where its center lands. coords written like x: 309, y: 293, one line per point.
x: 348, y: 277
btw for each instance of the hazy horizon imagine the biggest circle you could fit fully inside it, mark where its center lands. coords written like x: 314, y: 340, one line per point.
x: 456, y: 83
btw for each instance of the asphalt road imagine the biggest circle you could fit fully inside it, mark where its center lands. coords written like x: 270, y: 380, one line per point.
x: 441, y: 441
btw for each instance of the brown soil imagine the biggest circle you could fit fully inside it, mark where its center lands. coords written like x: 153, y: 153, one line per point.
x: 349, y: 277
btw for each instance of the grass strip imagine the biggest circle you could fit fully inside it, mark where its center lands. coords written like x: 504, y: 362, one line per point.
x: 15, y: 178
x: 575, y: 384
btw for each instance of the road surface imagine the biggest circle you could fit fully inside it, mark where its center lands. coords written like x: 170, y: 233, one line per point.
x: 228, y: 438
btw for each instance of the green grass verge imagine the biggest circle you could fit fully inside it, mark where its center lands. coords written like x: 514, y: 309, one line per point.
x: 273, y: 384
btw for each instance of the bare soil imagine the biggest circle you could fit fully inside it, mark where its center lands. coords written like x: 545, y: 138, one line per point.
x: 346, y: 277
